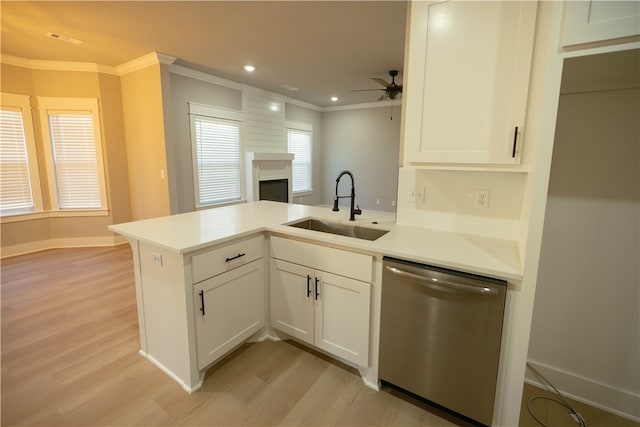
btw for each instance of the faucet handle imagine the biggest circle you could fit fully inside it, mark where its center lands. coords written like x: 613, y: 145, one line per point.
x: 357, y: 210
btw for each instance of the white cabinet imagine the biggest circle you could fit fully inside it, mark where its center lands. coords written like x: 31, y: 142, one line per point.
x: 327, y: 310
x: 599, y: 21
x: 467, y: 81
x: 229, y: 309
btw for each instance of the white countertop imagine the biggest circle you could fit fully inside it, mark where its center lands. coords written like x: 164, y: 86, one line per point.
x: 191, y: 231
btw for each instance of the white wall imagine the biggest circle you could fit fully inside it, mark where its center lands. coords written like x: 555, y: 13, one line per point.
x: 585, y: 335
x: 366, y: 142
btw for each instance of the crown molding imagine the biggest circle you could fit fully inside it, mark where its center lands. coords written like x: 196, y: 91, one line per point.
x: 376, y: 104
x: 199, y: 75
x: 151, y: 58
x: 38, y: 64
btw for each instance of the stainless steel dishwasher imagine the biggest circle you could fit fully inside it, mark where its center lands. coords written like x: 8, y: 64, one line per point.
x: 440, y: 334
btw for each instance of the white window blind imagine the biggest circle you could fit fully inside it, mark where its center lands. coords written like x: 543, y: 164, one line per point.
x: 300, y: 145
x: 15, y: 183
x: 218, y: 169
x: 73, y: 148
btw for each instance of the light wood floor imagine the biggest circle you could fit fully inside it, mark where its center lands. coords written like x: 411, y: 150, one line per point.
x: 69, y: 357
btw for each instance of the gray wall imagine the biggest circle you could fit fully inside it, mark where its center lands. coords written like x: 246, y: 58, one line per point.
x: 366, y: 142
x: 296, y: 113
x: 185, y: 90
x: 586, y: 320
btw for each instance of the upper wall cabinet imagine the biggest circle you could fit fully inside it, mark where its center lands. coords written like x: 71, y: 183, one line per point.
x: 599, y: 21
x: 468, y: 67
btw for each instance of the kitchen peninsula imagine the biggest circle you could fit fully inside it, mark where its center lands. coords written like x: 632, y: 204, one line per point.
x: 203, y: 279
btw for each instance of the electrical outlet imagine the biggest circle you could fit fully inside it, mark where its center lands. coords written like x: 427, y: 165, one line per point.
x: 411, y: 197
x: 420, y: 194
x: 156, y: 258
x: 482, y: 198
x: 377, y: 201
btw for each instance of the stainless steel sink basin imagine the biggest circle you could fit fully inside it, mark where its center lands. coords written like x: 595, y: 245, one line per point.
x: 349, y: 230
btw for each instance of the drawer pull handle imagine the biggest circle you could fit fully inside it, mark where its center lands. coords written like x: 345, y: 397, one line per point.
x: 234, y: 257
x: 515, y: 142
x: 202, y: 302
x: 308, y: 286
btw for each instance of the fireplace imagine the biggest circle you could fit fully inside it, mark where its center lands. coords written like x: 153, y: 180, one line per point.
x: 269, y: 177
x: 276, y: 190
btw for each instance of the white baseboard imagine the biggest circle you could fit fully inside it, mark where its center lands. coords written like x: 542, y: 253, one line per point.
x: 70, y: 242
x: 624, y: 403
x: 173, y: 376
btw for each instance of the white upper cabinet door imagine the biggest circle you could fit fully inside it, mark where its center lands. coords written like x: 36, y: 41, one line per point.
x: 468, y: 78
x: 596, y: 21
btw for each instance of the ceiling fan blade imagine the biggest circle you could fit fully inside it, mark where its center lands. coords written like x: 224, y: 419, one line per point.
x: 365, y: 90
x: 380, y: 81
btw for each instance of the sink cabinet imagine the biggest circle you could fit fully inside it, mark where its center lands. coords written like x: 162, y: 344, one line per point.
x: 327, y: 310
x: 468, y: 73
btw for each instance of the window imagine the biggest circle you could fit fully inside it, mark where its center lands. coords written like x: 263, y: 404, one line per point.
x: 19, y: 178
x: 299, y: 138
x: 217, y: 169
x: 73, y: 151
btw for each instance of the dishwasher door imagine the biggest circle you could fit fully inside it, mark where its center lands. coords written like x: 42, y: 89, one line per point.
x: 440, y: 336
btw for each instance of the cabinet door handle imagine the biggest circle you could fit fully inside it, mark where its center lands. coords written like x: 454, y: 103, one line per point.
x: 308, y: 286
x: 515, y: 142
x: 202, y: 302
x: 317, y: 294
x: 234, y: 257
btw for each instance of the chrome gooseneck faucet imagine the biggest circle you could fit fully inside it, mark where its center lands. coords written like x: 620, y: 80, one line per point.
x: 354, y: 211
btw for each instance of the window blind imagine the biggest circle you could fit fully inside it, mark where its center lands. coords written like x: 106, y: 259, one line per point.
x: 15, y: 183
x: 300, y: 145
x: 217, y: 145
x: 74, y: 156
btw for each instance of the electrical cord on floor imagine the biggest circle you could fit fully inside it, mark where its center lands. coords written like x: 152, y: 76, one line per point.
x: 577, y: 417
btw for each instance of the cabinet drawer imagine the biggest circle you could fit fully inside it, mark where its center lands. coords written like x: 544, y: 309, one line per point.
x: 225, y: 258
x: 337, y: 261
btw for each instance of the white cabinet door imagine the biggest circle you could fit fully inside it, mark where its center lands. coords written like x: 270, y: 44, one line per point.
x: 342, y: 317
x: 467, y: 81
x: 228, y: 309
x: 596, y: 21
x: 292, y: 296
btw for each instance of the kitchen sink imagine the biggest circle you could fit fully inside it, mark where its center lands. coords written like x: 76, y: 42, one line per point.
x: 349, y: 230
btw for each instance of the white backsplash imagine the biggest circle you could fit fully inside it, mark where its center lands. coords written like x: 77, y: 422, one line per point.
x: 450, y: 201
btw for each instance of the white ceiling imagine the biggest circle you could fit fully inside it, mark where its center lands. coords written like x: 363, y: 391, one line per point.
x: 324, y: 48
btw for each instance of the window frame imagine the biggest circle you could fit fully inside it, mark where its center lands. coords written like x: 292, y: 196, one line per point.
x: 22, y: 103
x: 222, y: 115
x: 301, y: 127
x: 72, y: 105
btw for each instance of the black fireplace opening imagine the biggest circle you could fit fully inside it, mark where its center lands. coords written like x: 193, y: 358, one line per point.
x: 276, y: 190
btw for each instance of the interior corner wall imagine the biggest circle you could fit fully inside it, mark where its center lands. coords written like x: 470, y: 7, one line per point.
x: 146, y: 148
x: 366, y: 142
x: 585, y: 335
x: 296, y: 113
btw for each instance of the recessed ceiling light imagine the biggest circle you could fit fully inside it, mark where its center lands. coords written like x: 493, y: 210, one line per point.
x: 249, y: 68
x: 64, y: 38
x: 334, y: 98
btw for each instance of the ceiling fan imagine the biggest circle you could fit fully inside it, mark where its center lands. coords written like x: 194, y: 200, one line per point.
x: 391, y: 91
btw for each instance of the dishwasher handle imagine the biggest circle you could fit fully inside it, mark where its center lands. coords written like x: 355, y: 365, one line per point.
x: 442, y: 285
